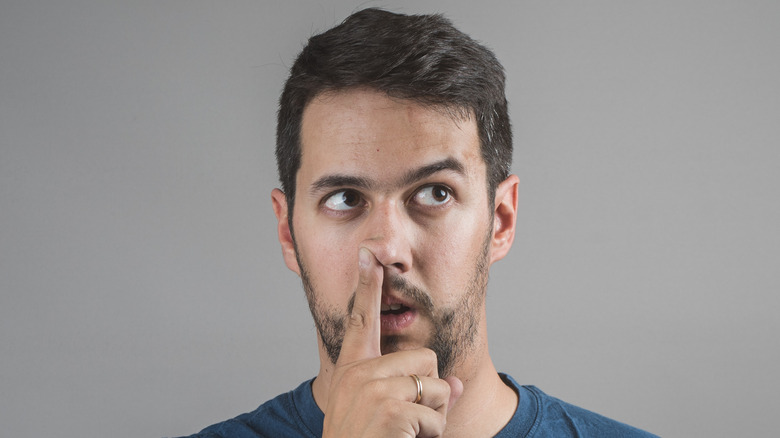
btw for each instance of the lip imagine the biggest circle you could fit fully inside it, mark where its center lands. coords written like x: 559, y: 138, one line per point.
x: 392, y: 299
x: 392, y: 323
x: 396, y: 323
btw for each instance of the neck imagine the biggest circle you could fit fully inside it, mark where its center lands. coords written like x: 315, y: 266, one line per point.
x: 484, y: 408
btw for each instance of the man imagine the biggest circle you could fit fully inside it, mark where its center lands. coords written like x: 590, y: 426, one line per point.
x: 394, y: 146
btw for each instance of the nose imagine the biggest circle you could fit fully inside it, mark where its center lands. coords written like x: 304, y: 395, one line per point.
x: 388, y: 234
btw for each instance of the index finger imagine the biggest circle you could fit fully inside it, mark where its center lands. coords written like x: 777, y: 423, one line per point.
x: 363, y: 331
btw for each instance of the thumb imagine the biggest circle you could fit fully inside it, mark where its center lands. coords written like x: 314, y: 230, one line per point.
x: 456, y: 390
x: 363, y: 329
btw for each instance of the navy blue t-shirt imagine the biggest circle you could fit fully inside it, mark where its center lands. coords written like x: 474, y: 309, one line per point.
x: 295, y: 414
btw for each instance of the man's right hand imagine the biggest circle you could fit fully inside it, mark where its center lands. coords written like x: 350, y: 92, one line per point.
x: 371, y: 395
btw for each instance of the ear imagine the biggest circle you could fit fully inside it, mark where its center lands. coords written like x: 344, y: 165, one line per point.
x: 279, y: 201
x: 505, y: 216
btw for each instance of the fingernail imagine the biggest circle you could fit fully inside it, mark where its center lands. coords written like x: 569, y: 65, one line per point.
x: 364, y: 258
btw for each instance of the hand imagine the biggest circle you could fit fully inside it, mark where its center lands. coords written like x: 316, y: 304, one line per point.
x: 372, y: 395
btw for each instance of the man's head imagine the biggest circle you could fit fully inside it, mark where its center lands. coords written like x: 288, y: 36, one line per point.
x: 421, y: 58
x: 394, y: 136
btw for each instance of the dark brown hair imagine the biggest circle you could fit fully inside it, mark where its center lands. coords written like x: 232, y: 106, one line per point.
x: 423, y: 58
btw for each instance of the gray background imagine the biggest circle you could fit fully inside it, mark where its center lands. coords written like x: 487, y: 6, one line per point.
x: 142, y: 289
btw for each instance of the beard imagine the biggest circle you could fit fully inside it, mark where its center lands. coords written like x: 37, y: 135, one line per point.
x: 454, y: 329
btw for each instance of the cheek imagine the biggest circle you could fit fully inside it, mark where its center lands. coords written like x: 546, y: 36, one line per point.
x: 332, y: 265
x: 459, y: 237
x: 449, y: 254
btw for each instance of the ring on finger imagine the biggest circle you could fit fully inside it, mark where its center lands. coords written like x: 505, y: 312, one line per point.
x: 419, y: 387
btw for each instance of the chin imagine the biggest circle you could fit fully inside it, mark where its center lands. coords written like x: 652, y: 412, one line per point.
x: 393, y: 343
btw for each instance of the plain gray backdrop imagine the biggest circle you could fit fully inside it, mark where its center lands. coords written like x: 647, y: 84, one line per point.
x: 142, y: 288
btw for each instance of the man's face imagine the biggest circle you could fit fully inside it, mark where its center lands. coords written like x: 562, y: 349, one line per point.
x: 408, y: 183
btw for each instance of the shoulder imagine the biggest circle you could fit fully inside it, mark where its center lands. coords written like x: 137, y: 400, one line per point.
x: 539, y: 415
x: 290, y: 414
x: 559, y: 418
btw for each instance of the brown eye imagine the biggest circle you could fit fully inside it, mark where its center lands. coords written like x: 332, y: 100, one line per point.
x: 433, y: 195
x: 343, y: 200
x: 439, y: 194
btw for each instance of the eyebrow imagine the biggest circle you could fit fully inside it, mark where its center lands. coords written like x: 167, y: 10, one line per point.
x: 414, y: 175
x: 450, y: 164
x: 335, y: 181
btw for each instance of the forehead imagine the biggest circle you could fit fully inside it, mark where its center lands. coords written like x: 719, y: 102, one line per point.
x: 366, y: 132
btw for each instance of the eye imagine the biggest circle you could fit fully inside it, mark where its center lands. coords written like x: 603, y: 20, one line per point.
x: 343, y: 200
x: 432, y: 195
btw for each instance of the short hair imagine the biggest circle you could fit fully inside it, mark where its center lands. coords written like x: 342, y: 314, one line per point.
x: 422, y: 58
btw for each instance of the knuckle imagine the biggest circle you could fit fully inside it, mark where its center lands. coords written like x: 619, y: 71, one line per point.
x: 444, y: 397
x: 365, y: 278
x: 356, y: 320
x: 393, y: 411
x: 377, y: 387
x: 429, y: 355
x: 445, y: 389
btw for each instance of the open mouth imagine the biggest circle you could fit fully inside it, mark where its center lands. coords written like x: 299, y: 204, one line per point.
x: 393, y: 309
x: 395, y: 316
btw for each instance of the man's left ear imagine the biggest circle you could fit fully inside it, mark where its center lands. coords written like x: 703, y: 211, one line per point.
x: 504, y: 218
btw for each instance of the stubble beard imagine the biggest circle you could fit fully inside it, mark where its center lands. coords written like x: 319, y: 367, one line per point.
x: 455, y: 328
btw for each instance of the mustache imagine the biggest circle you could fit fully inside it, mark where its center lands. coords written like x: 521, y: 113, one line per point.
x: 416, y: 295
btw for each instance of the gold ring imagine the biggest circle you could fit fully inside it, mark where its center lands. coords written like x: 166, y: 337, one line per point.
x: 419, y: 387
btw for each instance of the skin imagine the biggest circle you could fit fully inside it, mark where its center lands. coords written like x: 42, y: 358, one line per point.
x: 364, y: 214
